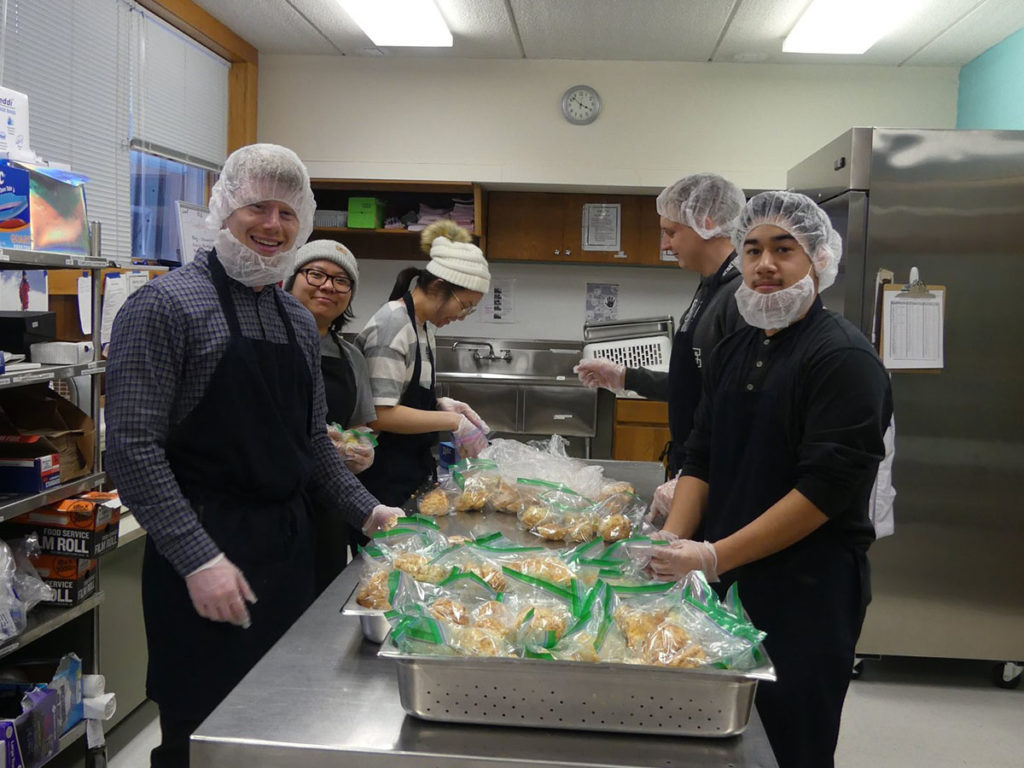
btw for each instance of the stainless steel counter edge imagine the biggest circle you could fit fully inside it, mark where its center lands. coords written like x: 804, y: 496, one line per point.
x: 323, y: 698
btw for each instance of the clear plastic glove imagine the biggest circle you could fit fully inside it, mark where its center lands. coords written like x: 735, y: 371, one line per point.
x: 663, y: 535
x: 457, y: 406
x: 673, y: 561
x: 358, y: 457
x: 381, y: 518
x: 219, y: 592
x: 469, y: 438
x: 661, y: 504
x: 600, y: 372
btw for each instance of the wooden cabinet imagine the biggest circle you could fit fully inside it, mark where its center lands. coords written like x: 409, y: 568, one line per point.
x: 399, y: 197
x: 548, y: 227
x: 641, y: 430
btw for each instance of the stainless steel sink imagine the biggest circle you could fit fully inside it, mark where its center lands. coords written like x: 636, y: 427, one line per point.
x: 519, y: 387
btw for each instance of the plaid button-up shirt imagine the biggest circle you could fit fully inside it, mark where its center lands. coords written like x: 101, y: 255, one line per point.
x: 165, y: 345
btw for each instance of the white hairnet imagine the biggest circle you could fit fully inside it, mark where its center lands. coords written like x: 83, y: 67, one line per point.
x: 704, y: 202
x: 804, y: 220
x: 259, y: 172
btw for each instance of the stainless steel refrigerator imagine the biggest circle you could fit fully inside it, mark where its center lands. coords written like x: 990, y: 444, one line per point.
x: 950, y: 582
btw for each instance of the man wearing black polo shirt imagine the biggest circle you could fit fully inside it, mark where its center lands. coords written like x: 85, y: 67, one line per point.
x: 778, y: 470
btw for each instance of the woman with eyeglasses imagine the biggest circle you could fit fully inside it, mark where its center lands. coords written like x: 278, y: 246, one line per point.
x: 398, y: 343
x: 324, y: 282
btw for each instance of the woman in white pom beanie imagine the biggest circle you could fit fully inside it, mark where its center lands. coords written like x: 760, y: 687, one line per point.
x: 398, y: 344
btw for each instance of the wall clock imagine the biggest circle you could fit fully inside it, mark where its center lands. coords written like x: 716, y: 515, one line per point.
x: 581, y: 105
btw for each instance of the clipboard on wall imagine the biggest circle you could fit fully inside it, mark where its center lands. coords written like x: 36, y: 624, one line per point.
x: 912, y: 326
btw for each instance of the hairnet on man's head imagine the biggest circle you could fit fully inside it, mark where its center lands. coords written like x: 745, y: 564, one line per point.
x: 803, y: 219
x: 260, y: 172
x: 704, y: 202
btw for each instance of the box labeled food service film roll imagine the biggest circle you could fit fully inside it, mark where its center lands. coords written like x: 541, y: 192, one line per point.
x: 72, y: 579
x: 85, y: 526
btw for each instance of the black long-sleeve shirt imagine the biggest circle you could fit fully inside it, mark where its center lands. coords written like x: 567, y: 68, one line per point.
x: 805, y: 408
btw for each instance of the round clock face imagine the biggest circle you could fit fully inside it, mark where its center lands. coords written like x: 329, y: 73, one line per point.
x: 581, y: 105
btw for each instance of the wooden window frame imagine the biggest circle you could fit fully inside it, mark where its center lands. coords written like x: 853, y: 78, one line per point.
x: 243, y: 77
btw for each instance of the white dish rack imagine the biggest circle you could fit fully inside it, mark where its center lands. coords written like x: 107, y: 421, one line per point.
x: 644, y: 343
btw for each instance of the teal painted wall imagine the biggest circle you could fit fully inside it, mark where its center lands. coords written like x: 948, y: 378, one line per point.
x: 991, y: 93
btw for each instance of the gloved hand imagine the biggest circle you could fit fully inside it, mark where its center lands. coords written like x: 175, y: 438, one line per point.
x: 601, y: 372
x: 358, y: 457
x: 457, y: 406
x: 381, y: 518
x: 663, y: 535
x: 661, y: 504
x: 469, y: 438
x: 673, y: 561
x: 219, y: 591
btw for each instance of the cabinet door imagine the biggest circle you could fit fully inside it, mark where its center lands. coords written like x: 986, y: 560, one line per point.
x: 630, y: 222
x: 638, y: 443
x: 525, y: 226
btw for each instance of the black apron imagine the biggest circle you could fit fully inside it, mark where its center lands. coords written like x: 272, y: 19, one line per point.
x: 333, y: 536
x: 339, y: 386
x: 809, y: 598
x: 685, y: 380
x: 242, y: 457
x: 403, y: 463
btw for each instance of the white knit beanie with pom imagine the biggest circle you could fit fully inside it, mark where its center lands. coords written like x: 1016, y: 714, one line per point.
x: 461, y: 264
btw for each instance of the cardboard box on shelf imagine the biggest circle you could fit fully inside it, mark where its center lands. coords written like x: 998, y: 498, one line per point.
x: 37, y: 410
x: 73, y: 579
x: 20, y: 330
x: 86, y: 526
x: 28, y: 464
x: 42, y: 209
x: 31, y: 737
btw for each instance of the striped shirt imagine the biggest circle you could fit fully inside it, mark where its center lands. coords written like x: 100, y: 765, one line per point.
x: 165, y: 345
x: 388, y: 342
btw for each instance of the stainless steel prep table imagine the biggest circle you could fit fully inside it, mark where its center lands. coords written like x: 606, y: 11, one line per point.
x: 321, y: 698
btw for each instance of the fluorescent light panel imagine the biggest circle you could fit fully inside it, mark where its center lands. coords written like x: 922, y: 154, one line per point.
x: 847, y: 26
x: 400, y: 23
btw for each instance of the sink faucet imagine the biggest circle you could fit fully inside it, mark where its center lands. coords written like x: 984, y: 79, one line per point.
x: 478, y: 355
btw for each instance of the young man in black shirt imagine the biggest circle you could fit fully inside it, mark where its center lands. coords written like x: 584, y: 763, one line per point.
x: 778, y: 470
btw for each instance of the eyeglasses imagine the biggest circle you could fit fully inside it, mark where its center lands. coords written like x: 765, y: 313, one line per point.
x: 464, y: 311
x: 316, y: 278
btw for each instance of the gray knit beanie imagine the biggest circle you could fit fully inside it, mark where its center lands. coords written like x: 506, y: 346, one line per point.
x: 325, y: 250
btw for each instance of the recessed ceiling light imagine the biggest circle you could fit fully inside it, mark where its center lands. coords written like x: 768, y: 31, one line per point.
x: 400, y: 23
x: 847, y: 26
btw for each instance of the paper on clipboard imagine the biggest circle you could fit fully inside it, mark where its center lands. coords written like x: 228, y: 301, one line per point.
x: 193, y: 232
x: 912, y: 327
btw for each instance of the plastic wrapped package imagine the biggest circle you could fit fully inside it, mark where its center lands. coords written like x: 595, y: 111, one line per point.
x: 478, y: 481
x: 618, y: 516
x: 28, y: 586
x: 437, y: 501
x: 544, y: 461
x: 457, y: 597
x: 544, y: 609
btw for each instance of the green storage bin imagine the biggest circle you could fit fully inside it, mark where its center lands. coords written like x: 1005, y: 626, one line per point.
x: 365, y: 213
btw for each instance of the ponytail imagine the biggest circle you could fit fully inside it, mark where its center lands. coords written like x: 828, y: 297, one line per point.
x: 405, y: 278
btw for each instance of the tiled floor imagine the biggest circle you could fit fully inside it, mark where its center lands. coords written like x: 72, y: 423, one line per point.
x: 902, y: 713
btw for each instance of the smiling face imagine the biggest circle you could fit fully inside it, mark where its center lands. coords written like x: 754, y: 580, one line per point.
x: 773, y: 259
x: 456, y: 304
x: 325, y: 302
x: 268, y: 227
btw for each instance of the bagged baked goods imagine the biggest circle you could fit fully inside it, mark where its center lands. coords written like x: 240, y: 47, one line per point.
x: 436, y: 502
x: 477, y: 481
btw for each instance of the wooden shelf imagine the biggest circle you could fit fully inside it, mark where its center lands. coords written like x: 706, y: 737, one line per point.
x: 43, y: 619
x: 21, y: 504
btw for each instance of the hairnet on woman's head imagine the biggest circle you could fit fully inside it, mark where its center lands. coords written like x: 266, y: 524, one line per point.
x: 804, y: 220
x: 260, y: 172
x: 704, y: 202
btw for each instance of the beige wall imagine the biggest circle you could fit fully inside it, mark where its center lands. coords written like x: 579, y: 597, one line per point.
x: 499, y: 122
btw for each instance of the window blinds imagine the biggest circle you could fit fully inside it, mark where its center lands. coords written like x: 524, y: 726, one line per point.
x: 92, y: 88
